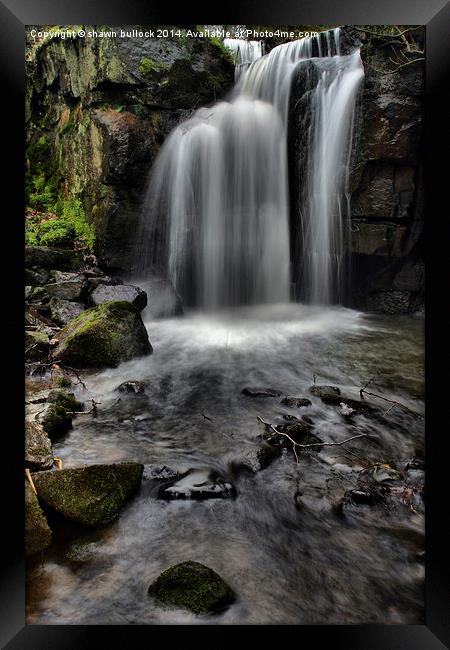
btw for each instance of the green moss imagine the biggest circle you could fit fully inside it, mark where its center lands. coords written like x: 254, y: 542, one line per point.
x: 66, y: 229
x: 63, y: 382
x: 90, y: 495
x: 56, y: 421
x: 64, y: 399
x: 192, y: 586
x: 151, y: 69
x: 37, y: 532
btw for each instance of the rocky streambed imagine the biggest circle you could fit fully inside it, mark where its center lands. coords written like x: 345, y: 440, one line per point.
x: 215, y: 451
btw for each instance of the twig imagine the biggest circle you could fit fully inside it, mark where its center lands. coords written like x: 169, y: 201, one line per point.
x: 206, y: 417
x: 391, y: 401
x: 30, y: 480
x: 400, y: 66
x: 368, y: 31
x: 312, y: 444
x: 91, y: 410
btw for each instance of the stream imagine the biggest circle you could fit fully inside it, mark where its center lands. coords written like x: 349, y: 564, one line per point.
x: 288, y: 556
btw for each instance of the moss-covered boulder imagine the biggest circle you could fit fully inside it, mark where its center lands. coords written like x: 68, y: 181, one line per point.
x: 56, y: 420
x: 91, y: 495
x: 38, y: 448
x: 65, y: 399
x: 103, y: 336
x: 37, y: 532
x: 192, y: 586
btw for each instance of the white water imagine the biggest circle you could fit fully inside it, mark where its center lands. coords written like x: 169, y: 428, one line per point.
x: 244, y: 53
x: 216, y: 215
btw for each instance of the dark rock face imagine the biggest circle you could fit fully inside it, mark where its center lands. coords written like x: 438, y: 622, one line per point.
x: 44, y: 257
x: 106, y: 106
x: 67, y: 286
x: 91, y: 495
x: 103, y: 336
x: 192, y: 586
x: 386, y: 184
x: 106, y: 293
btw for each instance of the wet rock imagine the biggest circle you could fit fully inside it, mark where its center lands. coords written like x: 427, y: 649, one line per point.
x: 63, y: 311
x: 198, y: 484
x: 91, y: 495
x: 67, y: 286
x: 132, y: 386
x: 36, y: 295
x: 106, y: 293
x: 36, y: 277
x: 260, y: 392
x: 65, y: 399
x: 415, y: 463
x: 56, y: 420
x: 37, y: 531
x: 296, y: 402
x: 349, y: 408
x: 257, y: 460
x: 165, y: 301
x: 37, y: 345
x: 82, y: 550
x: 53, y: 258
x: 192, y: 586
x: 159, y: 472
x: 300, y: 432
x: 103, y: 336
x: 38, y: 448
x: 328, y: 394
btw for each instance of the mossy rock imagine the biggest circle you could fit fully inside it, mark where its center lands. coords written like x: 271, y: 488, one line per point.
x: 37, y: 531
x: 64, y: 399
x: 38, y: 448
x: 193, y: 586
x: 91, y: 495
x: 37, y: 345
x: 103, y: 336
x: 53, y: 258
x: 328, y: 394
x: 56, y: 420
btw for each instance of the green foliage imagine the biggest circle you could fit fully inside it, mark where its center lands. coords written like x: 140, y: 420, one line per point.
x: 68, y: 228
x: 41, y: 179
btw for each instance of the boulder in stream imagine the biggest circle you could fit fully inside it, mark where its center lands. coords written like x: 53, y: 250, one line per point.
x: 260, y: 392
x: 193, y: 586
x: 103, y: 336
x: 296, y: 402
x: 38, y: 448
x: 91, y: 495
x: 37, y: 531
x: 132, y: 386
x: 328, y: 394
x: 106, y: 293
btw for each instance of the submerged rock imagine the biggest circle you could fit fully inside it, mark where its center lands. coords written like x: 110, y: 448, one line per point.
x: 300, y: 432
x: 106, y: 293
x: 296, y: 402
x: 38, y: 448
x: 260, y: 392
x: 103, y: 336
x: 257, y: 460
x: 159, y: 472
x: 192, y: 586
x: 198, y: 484
x: 328, y: 394
x: 91, y: 495
x: 132, y: 386
x: 37, y: 531
x: 63, y: 311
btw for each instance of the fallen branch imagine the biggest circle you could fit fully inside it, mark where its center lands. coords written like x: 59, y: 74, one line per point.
x: 206, y: 417
x: 312, y: 444
x: 30, y: 480
x: 363, y: 392
x: 91, y: 410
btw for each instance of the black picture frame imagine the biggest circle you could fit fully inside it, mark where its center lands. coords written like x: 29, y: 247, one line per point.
x: 14, y: 15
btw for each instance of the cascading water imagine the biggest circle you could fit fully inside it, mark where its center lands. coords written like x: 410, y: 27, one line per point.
x: 217, y: 208
x: 244, y: 54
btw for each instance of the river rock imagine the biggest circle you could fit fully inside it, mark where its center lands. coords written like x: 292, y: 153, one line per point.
x: 328, y: 394
x: 198, y: 484
x: 37, y: 531
x: 257, y: 460
x: 193, y: 586
x: 103, y: 336
x: 296, y: 402
x: 53, y: 258
x: 165, y: 301
x: 260, y: 392
x: 106, y: 293
x: 55, y: 419
x: 65, y: 399
x: 38, y: 448
x: 132, y: 386
x: 300, y: 432
x: 36, y: 277
x: 37, y: 345
x: 91, y: 495
x: 159, y: 472
x: 67, y: 286
x: 36, y: 295
x: 63, y: 311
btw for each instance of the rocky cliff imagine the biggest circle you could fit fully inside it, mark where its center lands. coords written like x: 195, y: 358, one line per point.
x: 97, y: 111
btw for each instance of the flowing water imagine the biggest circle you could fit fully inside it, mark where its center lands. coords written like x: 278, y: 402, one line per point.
x: 290, y: 559
x: 216, y: 215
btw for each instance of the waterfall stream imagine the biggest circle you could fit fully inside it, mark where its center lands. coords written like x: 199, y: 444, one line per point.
x: 216, y: 214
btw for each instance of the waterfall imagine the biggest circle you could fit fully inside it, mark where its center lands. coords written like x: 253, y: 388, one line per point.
x: 244, y: 53
x: 216, y: 214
